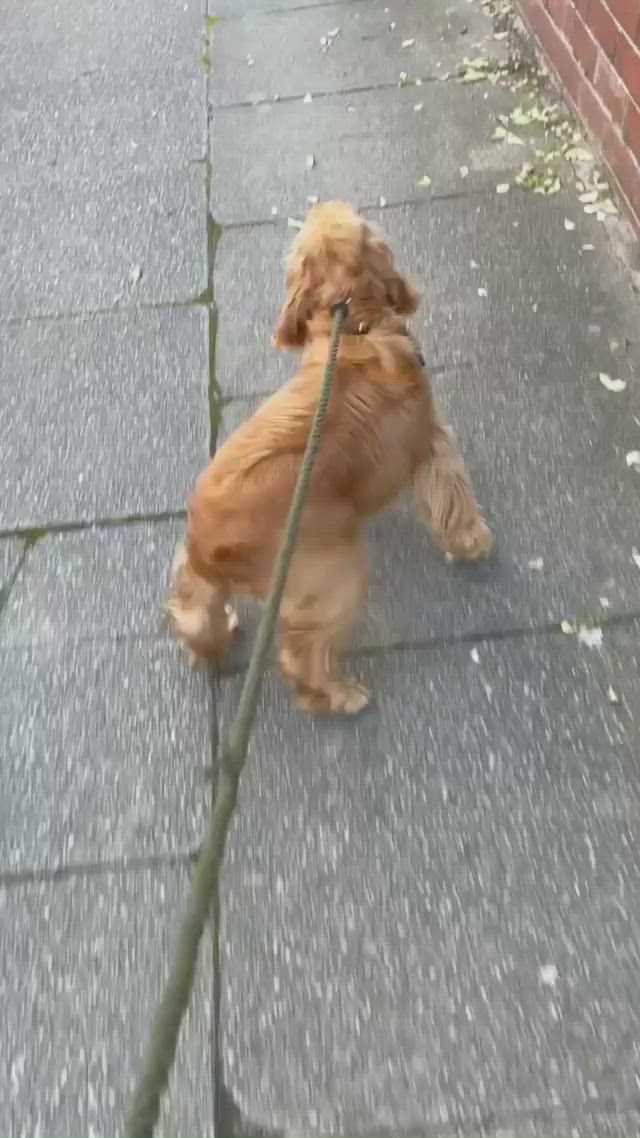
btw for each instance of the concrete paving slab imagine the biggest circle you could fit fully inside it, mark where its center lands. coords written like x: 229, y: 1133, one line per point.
x: 82, y: 964
x: 102, y: 416
x: 269, y: 169
x: 430, y: 912
x: 564, y: 308
x: 283, y: 54
x: 99, y: 240
x: 538, y: 474
x: 41, y: 41
x: 106, y: 583
x: 104, y: 119
x: 105, y: 750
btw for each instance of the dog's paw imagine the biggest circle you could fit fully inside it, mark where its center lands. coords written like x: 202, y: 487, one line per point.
x: 471, y: 544
x: 341, y: 698
x: 232, y: 618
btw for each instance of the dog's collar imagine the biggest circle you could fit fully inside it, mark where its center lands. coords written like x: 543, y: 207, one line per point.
x: 353, y: 327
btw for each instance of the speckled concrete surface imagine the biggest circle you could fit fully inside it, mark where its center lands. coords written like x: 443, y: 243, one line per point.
x: 445, y: 892
x: 430, y: 915
x: 430, y: 918
x: 104, y: 418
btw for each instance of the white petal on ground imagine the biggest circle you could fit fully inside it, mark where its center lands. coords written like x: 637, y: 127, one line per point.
x: 425, y: 180
x: 408, y: 43
x: 475, y: 655
x: 309, y: 161
x: 611, y: 384
x: 333, y: 33
x: 633, y: 459
x: 588, y: 248
x: 294, y: 223
x: 464, y: 170
x: 605, y: 603
x: 383, y: 202
x: 588, y: 196
x: 579, y: 154
x: 548, y: 974
x: 135, y: 273
x: 312, y: 199
x: 568, y: 224
x: 567, y: 627
x: 274, y: 210
x: 536, y: 564
x: 418, y: 82
x: 418, y: 106
x: 503, y: 188
x: 307, y: 98
x: 612, y: 696
x: 635, y: 556
x: 482, y: 292
x: 591, y: 637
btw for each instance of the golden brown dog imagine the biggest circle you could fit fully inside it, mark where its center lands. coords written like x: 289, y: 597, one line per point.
x: 382, y: 432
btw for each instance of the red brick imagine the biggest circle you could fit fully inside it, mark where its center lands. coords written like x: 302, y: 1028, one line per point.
x: 594, y: 113
x: 553, y: 44
x: 603, y: 27
x: 561, y: 12
x: 632, y: 129
x: 627, y: 13
x: 584, y: 47
x: 627, y: 63
x: 611, y: 89
x: 623, y: 165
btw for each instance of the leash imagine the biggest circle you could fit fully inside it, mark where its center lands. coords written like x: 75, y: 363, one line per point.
x: 144, y: 1108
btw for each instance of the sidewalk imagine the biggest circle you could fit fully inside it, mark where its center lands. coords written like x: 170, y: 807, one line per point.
x: 431, y: 917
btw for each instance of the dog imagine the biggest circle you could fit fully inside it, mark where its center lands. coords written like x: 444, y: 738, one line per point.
x: 382, y: 432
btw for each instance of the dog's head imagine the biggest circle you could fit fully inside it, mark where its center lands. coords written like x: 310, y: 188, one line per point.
x: 337, y: 255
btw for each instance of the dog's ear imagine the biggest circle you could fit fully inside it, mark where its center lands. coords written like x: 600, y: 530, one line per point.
x: 402, y: 294
x: 291, y: 328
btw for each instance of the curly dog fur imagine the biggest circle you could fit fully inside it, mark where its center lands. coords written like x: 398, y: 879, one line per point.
x: 382, y: 432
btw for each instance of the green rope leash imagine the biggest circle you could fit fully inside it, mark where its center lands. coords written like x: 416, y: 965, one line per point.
x: 163, y: 1040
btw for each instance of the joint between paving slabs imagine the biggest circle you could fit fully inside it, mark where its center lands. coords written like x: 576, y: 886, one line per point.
x: 13, y: 878
x: 614, y: 619
x: 31, y: 534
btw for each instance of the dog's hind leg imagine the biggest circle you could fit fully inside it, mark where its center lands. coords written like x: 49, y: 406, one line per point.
x: 445, y: 500
x: 324, y: 593
x: 199, y: 613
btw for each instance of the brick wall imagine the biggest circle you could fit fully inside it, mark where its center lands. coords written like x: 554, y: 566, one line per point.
x: 594, y: 48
